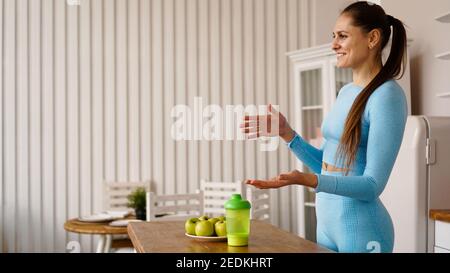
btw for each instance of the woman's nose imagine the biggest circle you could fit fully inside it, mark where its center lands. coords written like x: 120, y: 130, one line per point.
x: 334, y: 44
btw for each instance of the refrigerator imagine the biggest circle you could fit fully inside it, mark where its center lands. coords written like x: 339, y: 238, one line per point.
x: 420, y: 181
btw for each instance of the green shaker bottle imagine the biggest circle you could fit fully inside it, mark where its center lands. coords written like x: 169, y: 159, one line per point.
x: 238, y: 220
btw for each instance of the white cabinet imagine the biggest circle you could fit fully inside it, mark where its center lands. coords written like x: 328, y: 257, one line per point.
x: 442, y: 237
x: 317, y: 82
x: 445, y: 18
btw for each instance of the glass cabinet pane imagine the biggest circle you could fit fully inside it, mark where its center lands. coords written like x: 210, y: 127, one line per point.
x: 311, y: 223
x: 311, y: 123
x: 311, y: 81
x: 342, y: 76
x: 311, y: 132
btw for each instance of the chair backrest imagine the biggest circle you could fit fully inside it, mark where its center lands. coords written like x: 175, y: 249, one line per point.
x: 217, y: 193
x: 260, y: 200
x: 174, y: 207
x: 115, y: 193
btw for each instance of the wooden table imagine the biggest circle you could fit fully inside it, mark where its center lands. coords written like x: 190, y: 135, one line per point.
x: 169, y: 237
x: 103, y: 229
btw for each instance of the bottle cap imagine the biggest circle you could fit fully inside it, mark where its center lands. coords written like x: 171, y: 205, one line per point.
x: 236, y: 202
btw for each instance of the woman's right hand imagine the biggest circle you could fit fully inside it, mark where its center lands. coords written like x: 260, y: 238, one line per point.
x: 273, y: 124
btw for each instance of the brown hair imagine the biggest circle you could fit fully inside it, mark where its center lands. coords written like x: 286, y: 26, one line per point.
x: 369, y: 16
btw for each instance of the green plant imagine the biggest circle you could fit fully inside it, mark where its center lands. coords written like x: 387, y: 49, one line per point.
x: 136, y: 199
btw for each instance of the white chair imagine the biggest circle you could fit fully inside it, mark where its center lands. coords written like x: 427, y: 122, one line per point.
x: 174, y: 207
x: 217, y: 193
x: 116, y: 193
x: 260, y: 200
x: 115, y: 199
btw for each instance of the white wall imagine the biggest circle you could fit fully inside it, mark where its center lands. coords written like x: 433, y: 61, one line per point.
x: 86, y: 94
x: 429, y: 76
x: 324, y: 15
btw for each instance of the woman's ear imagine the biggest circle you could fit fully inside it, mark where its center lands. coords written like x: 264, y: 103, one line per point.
x: 374, y: 38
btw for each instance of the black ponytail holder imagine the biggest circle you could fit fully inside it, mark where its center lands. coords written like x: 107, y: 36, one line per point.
x: 390, y: 20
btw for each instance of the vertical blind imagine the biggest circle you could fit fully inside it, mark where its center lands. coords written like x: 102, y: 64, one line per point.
x: 87, y: 92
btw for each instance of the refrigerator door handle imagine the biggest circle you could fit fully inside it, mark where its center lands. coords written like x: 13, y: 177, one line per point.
x: 431, y: 151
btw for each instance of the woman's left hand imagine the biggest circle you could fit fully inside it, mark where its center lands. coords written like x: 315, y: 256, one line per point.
x: 285, y: 179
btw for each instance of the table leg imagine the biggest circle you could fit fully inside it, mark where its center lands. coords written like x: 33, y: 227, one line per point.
x: 108, y: 243
x: 101, y: 244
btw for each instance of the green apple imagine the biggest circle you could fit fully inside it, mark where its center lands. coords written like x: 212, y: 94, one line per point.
x: 221, y: 218
x: 221, y: 228
x: 204, y: 228
x: 213, y: 222
x: 204, y: 217
x: 190, y: 225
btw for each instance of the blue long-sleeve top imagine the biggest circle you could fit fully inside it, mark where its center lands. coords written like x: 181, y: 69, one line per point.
x: 382, y: 129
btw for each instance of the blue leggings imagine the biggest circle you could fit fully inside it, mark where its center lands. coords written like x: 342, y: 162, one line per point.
x: 350, y: 225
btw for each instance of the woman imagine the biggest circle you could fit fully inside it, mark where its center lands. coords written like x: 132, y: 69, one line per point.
x: 362, y: 135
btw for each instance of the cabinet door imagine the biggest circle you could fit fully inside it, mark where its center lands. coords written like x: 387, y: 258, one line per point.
x: 338, y: 78
x: 313, y: 90
x: 442, y: 234
x: 310, y: 86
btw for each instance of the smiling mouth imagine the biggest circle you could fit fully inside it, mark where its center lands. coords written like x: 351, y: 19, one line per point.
x: 340, y: 54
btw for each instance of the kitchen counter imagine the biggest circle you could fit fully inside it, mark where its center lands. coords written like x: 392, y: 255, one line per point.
x: 440, y: 215
x: 441, y: 230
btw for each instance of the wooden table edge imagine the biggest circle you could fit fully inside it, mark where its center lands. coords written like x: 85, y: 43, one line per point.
x: 107, y: 229
x: 139, y: 248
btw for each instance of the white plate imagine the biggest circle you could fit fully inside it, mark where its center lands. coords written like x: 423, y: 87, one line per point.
x: 96, y: 218
x: 123, y: 223
x: 207, y: 238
